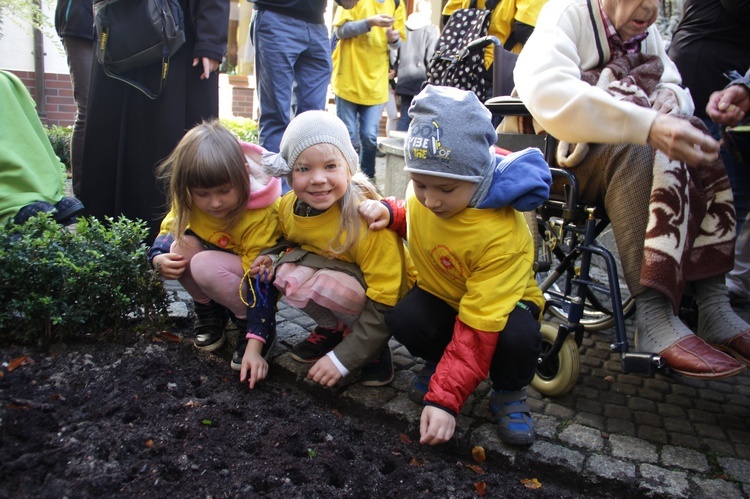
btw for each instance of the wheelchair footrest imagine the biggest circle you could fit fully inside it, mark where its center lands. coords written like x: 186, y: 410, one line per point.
x: 642, y: 363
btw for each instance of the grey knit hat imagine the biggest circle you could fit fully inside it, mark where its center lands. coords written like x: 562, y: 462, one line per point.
x: 450, y: 135
x: 305, y: 130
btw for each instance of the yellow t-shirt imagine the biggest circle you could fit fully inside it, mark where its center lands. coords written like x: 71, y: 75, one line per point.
x: 380, y: 255
x: 360, y: 63
x: 482, y: 277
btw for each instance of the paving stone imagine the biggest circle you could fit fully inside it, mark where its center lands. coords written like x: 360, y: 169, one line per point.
x: 633, y: 449
x: 486, y: 436
x: 588, y: 419
x: 721, y: 447
x: 710, y: 431
x: 559, y: 411
x: 671, y: 410
x: 582, y: 436
x: 563, y: 458
x: 684, y: 458
x: 601, y: 468
x: 617, y: 411
x: 592, y: 406
x: 713, y: 489
x: 738, y: 469
x: 623, y: 426
x: 698, y: 416
x: 677, y: 425
x: 685, y: 440
x: 656, y: 480
x: 646, y: 418
x: 546, y: 426
x: 652, y: 434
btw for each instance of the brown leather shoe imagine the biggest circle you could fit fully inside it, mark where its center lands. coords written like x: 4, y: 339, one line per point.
x: 693, y: 357
x: 738, y: 347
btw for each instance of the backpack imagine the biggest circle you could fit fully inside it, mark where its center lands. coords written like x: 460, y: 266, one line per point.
x: 131, y: 34
x: 458, y: 60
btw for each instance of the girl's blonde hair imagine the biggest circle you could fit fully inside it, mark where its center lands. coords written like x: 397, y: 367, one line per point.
x: 207, y: 156
x: 358, y: 189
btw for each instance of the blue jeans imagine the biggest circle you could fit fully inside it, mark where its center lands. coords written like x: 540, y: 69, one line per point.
x: 404, y: 119
x: 362, y: 123
x: 288, y: 50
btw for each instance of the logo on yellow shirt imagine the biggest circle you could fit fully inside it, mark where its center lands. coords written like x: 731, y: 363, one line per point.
x: 448, y: 264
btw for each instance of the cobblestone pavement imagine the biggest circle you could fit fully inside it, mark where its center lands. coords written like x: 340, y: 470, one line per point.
x: 668, y: 435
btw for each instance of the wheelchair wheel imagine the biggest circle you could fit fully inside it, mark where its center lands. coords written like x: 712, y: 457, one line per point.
x: 557, y: 376
x: 597, y: 313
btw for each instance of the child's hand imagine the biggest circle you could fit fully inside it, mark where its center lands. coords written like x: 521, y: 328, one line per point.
x: 253, y: 363
x: 170, y: 265
x: 324, y: 372
x: 375, y: 213
x: 380, y: 20
x: 262, y: 265
x: 436, y: 426
x: 392, y: 35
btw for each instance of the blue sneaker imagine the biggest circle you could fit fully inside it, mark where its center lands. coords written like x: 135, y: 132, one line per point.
x: 419, y: 388
x: 514, y: 423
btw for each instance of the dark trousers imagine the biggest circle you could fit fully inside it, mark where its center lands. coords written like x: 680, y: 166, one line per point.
x: 423, y: 323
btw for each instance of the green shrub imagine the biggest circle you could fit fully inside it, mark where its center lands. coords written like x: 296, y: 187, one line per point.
x: 59, y: 137
x: 60, y: 283
x: 245, y: 128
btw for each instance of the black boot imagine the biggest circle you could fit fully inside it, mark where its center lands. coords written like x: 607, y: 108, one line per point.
x: 210, y: 321
x: 242, y: 340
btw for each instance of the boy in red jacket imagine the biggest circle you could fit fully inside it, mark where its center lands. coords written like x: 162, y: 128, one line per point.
x: 476, y: 306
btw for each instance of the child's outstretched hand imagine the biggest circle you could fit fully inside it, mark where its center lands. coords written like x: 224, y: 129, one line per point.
x: 324, y: 372
x: 436, y: 426
x: 375, y: 214
x: 170, y: 265
x: 253, y: 363
x: 263, y: 266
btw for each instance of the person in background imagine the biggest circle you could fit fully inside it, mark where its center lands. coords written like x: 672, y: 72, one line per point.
x: 476, y: 306
x: 291, y: 45
x: 366, y: 34
x: 32, y: 178
x: 711, y: 40
x: 649, y: 162
x: 74, y: 23
x: 413, y: 58
x: 128, y: 134
x: 670, y: 13
x: 334, y: 269
x: 224, y: 211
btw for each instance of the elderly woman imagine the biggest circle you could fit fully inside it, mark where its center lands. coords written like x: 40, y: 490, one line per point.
x: 595, y: 75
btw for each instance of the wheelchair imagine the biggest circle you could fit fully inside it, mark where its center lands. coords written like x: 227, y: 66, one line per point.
x: 576, y: 270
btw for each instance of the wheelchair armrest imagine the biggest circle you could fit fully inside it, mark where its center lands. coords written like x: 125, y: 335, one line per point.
x: 505, y: 105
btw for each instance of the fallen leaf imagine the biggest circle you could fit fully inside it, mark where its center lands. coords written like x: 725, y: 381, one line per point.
x: 192, y: 403
x: 155, y: 338
x: 478, y: 454
x: 405, y: 438
x: 311, y: 453
x: 57, y: 396
x: 206, y: 422
x: 476, y: 469
x: 150, y: 443
x: 531, y: 483
x: 2, y: 373
x: 16, y: 363
x: 415, y: 462
x: 171, y: 336
x: 609, y: 379
x: 11, y: 405
x: 337, y: 413
x: 480, y: 487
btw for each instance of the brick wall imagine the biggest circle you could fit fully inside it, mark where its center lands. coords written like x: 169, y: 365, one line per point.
x: 59, y: 102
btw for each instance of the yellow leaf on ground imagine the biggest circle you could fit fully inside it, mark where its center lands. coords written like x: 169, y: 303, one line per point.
x: 478, y: 454
x: 480, y: 487
x: 16, y: 363
x: 531, y: 483
x: 170, y: 337
x: 475, y: 468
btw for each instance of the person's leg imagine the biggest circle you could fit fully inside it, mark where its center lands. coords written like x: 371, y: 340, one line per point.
x: 80, y: 54
x: 738, y: 279
x: 423, y: 323
x: 278, y: 40
x: 347, y: 112
x: 218, y: 274
x: 369, y: 122
x: 210, y: 317
x: 313, y: 71
x: 620, y: 177
x: 404, y: 119
x: 391, y: 112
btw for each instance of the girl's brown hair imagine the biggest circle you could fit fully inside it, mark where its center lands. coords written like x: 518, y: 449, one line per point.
x: 207, y: 156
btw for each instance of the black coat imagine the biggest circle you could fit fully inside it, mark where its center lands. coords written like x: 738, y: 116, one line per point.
x: 75, y: 18
x: 128, y: 135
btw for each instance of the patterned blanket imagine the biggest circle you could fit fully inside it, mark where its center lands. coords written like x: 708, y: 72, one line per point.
x: 691, y: 226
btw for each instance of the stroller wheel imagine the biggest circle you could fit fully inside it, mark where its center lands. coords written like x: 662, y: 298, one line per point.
x: 557, y: 375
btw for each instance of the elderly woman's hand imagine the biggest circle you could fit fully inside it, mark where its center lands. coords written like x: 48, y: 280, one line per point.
x: 664, y: 101
x: 681, y: 141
